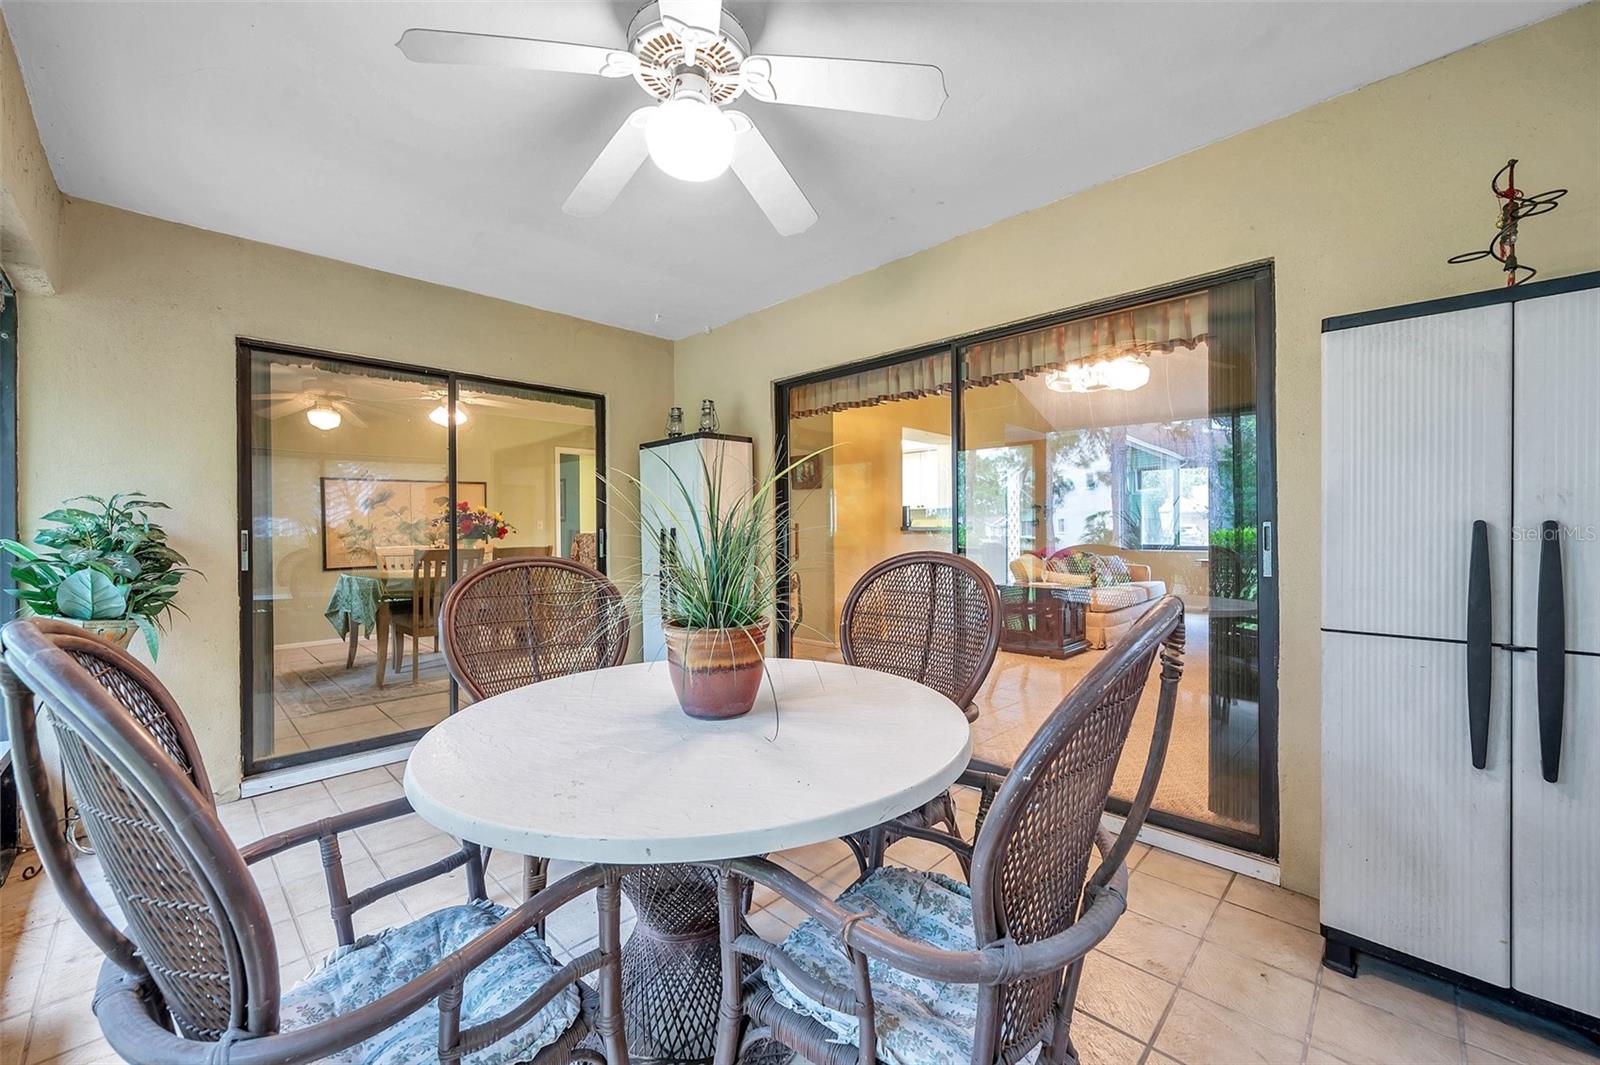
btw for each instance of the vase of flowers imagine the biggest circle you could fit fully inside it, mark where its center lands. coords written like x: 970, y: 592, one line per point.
x: 102, y: 565
x: 718, y: 589
x: 474, y: 525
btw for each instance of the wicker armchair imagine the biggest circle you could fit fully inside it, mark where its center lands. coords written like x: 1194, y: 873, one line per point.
x: 940, y: 971
x: 932, y: 617
x: 194, y: 977
x: 523, y: 620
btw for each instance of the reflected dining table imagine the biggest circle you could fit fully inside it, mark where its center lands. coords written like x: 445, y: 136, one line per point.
x: 360, y: 601
x: 604, y: 767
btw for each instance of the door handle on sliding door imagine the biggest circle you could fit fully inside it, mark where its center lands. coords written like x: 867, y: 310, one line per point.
x: 1550, y: 650
x: 1480, y: 650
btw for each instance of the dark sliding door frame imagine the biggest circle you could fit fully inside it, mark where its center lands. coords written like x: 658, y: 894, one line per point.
x: 8, y: 528
x: 1261, y: 274
x: 454, y: 381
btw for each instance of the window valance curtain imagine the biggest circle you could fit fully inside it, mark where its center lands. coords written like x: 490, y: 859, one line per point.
x: 926, y: 376
x: 1154, y: 327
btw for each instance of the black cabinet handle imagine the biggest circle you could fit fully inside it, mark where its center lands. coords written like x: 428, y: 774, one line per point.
x: 1480, y: 652
x: 1551, y: 651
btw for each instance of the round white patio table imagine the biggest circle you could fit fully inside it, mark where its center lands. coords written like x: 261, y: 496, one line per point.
x: 604, y: 767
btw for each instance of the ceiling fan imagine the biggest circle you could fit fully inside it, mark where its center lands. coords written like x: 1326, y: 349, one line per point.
x: 440, y: 397
x: 325, y: 409
x: 693, y: 57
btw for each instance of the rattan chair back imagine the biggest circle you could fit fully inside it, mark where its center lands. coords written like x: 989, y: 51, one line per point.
x: 1032, y: 853
x: 523, y: 620
x: 137, y: 690
x: 930, y: 616
x: 196, y: 924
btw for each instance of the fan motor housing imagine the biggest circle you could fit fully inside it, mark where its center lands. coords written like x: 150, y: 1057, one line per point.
x: 662, y: 55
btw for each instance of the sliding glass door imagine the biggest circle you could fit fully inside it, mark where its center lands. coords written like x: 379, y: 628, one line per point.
x: 1107, y: 460
x: 880, y: 484
x: 366, y: 489
x: 1093, y: 462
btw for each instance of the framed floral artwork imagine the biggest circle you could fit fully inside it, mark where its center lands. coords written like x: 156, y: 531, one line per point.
x: 362, y: 514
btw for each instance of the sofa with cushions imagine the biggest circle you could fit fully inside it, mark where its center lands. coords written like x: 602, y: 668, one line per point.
x: 1118, y: 592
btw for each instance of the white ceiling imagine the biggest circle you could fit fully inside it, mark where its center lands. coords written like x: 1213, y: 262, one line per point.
x: 301, y: 125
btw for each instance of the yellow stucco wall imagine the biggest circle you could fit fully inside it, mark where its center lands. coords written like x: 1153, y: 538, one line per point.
x: 127, y: 378
x: 30, y: 203
x: 1358, y: 202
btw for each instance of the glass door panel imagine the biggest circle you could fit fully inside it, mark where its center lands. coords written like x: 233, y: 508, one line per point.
x: 880, y: 486
x: 366, y: 498
x: 349, y: 492
x: 526, y: 469
x: 1128, y: 435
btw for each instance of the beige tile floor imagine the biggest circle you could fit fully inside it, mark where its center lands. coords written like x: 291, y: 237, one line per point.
x: 318, y: 703
x: 1022, y: 690
x: 1206, y: 967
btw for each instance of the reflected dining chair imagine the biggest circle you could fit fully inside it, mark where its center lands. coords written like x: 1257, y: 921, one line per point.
x: 430, y: 571
x: 909, y: 967
x: 397, y: 560
x: 500, y: 554
x: 520, y: 621
x: 932, y: 617
x: 193, y: 978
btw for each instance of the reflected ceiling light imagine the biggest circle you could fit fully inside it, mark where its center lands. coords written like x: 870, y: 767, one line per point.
x: 441, y: 417
x: 688, y: 136
x: 1126, y: 373
x: 324, y: 417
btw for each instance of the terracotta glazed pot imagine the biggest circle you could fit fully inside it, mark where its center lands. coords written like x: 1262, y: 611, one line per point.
x: 119, y: 630
x: 716, y: 672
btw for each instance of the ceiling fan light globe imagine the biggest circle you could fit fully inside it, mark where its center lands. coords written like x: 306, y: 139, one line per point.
x: 690, y: 139
x: 324, y: 418
x: 441, y: 417
x: 1129, y: 373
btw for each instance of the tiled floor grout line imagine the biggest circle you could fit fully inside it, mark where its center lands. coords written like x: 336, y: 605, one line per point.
x: 38, y: 989
x: 1172, y: 1000
x: 1311, y: 1016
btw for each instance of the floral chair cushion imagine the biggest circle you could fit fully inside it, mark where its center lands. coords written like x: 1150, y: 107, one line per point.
x: 919, y: 1020
x: 354, y: 976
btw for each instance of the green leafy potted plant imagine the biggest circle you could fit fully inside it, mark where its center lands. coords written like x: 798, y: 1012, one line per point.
x: 107, y: 567
x: 718, y: 591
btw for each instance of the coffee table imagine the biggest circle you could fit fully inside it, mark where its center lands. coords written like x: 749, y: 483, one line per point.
x: 1043, y: 619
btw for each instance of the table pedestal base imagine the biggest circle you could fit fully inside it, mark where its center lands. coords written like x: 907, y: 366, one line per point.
x: 672, y: 966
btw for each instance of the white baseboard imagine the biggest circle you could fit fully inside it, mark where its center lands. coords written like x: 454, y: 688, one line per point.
x: 278, y: 779
x: 1241, y: 862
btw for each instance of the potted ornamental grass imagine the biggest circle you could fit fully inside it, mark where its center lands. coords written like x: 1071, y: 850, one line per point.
x: 101, y: 564
x: 718, y: 588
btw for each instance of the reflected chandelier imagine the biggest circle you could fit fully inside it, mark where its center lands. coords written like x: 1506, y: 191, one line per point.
x: 1125, y: 373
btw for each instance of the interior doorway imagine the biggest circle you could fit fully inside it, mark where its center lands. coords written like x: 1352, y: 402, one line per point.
x: 575, y: 496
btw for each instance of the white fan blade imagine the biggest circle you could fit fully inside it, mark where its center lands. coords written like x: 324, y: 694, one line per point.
x: 902, y: 90
x: 770, y: 185
x: 701, y: 14
x: 290, y: 406
x: 486, y: 50
x: 610, y: 173
x: 349, y: 415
